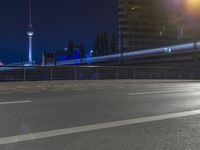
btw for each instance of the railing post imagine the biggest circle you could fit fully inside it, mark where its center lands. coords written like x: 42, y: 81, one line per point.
x: 191, y: 72
x: 97, y: 73
x: 51, y: 73
x: 116, y: 73
x: 165, y: 74
x: 24, y: 73
x: 133, y: 73
x: 75, y: 74
x: 150, y: 74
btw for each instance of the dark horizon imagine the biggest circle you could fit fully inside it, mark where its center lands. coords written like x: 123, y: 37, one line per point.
x: 53, y: 24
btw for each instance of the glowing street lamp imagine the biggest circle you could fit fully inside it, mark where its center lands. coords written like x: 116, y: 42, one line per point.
x: 193, y: 6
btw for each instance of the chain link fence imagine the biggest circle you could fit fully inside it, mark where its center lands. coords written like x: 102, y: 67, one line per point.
x: 94, y: 73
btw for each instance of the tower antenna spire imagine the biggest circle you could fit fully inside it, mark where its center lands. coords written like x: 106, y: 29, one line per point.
x: 30, y: 15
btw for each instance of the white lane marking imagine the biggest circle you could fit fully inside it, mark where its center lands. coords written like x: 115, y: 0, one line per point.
x: 100, y: 88
x: 57, y: 90
x: 93, y: 127
x: 160, y: 92
x: 79, y: 89
x: 14, y: 102
x: 119, y: 87
x: 5, y: 92
x: 32, y: 91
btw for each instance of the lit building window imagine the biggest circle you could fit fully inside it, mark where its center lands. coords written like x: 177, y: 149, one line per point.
x: 161, y: 33
x: 164, y: 27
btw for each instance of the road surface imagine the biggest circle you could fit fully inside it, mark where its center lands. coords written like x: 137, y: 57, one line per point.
x: 100, y: 115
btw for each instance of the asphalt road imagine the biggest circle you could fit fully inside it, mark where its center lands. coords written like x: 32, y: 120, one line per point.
x: 100, y: 115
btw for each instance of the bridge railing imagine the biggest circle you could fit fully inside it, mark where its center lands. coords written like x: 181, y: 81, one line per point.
x: 94, y: 73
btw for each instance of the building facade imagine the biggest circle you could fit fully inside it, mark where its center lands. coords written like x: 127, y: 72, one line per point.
x: 147, y: 24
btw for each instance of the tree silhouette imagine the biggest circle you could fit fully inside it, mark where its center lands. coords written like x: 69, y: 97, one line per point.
x: 105, y: 43
x: 113, y: 44
x: 82, y: 50
x: 70, y: 49
x: 96, y: 46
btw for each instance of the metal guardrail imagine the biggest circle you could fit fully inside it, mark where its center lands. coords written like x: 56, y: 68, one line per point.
x: 94, y: 73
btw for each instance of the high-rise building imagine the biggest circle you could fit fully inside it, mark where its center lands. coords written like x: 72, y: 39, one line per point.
x: 147, y: 24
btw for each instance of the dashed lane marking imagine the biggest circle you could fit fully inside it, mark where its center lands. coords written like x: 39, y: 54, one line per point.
x: 160, y: 92
x: 79, y: 89
x: 32, y: 91
x: 14, y: 102
x: 57, y: 90
x: 5, y: 92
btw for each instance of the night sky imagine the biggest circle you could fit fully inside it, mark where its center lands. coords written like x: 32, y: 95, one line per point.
x: 54, y: 22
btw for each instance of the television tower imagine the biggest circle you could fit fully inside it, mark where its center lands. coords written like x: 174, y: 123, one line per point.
x: 30, y: 33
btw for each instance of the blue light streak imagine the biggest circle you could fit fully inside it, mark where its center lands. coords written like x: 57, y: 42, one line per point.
x: 188, y: 47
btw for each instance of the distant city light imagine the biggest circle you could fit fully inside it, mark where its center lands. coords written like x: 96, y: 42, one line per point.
x: 133, y: 8
x: 1, y: 64
x: 168, y: 50
x: 91, y: 52
x: 30, y: 33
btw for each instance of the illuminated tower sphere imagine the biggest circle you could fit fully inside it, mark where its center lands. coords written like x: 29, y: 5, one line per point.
x: 30, y: 34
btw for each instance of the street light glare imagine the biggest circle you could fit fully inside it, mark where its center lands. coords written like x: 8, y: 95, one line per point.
x: 193, y: 5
